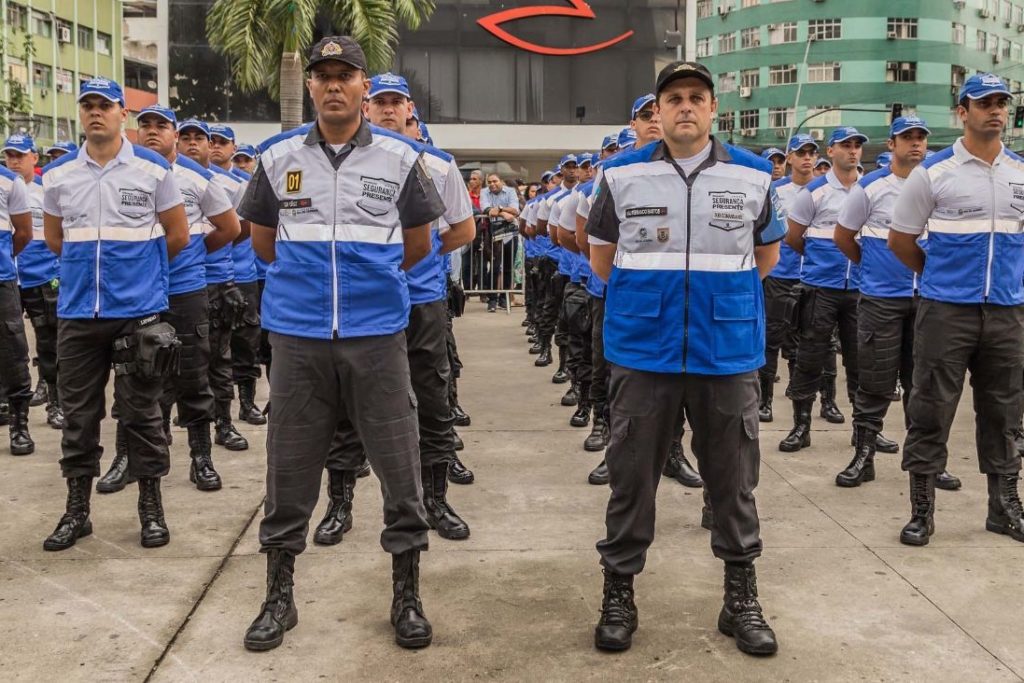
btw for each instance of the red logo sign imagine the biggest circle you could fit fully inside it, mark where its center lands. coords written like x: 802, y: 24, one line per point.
x: 579, y: 10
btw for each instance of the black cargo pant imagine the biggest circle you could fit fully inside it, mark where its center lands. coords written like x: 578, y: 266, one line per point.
x: 189, y: 315
x: 781, y: 307
x: 314, y: 385
x: 530, y: 287
x: 549, y: 298
x: 245, y: 339
x: 646, y: 410
x: 885, y: 353
x: 822, y: 310
x: 221, y: 317
x: 454, y: 362
x: 264, y: 355
x: 430, y: 375
x: 85, y: 354
x: 14, y: 374
x: 40, y: 306
x: 599, y: 379
x: 578, y: 323
x: 949, y: 341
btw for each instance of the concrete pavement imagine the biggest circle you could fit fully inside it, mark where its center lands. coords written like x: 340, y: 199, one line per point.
x: 518, y: 600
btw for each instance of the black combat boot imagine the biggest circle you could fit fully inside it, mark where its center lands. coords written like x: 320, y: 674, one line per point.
x: 364, y: 469
x: 278, y: 613
x: 619, y: 619
x: 862, y: 467
x: 922, y: 510
x: 581, y: 418
x: 41, y: 394
x: 1004, y: 508
x: 884, y: 445
x: 460, y: 416
x: 247, y: 410
x: 5, y: 412
x: 118, y: 476
x: 829, y: 409
x: 707, y: 515
x: 679, y: 468
x: 538, y: 347
x: 201, y: 472
x: 225, y: 433
x: 412, y: 630
x: 341, y: 489
x: 800, y: 436
x: 440, y: 515
x: 599, y: 475
x: 599, y: 433
x: 947, y: 482
x: 764, y: 408
x: 544, y: 359
x: 458, y: 444
x: 741, y: 617
x: 21, y: 441
x: 54, y: 411
x: 571, y: 396
x: 75, y: 523
x: 561, y: 376
x: 151, y: 514
x: 459, y: 473
x: 167, y: 428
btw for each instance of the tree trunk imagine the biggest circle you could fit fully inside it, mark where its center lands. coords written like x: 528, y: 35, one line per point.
x: 291, y: 90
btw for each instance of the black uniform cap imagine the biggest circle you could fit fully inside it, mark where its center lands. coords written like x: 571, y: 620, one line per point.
x: 338, y: 49
x: 677, y: 70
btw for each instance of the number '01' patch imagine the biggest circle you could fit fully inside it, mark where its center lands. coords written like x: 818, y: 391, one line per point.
x: 293, y: 182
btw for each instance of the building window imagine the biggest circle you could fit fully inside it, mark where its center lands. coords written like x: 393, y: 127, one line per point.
x: 17, y: 17
x: 42, y: 25
x: 830, y: 118
x: 726, y: 121
x: 42, y: 76
x: 1004, y: 48
x: 979, y: 43
x: 750, y: 78
x: 782, y: 74
x: 703, y: 47
x: 1007, y: 10
x: 825, y: 29
x: 103, y: 42
x: 17, y: 71
x: 1018, y: 15
x: 750, y: 118
x: 825, y: 72
x: 750, y: 3
x: 63, y: 129
x: 65, y: 81
x: 704, y: 9
x: 781, y: 117
x: 726, y: 43
x: 750, y: 37
x: 1015, y: 52
x: 85, y: 37
x: 83, y: 78
x: 782, y: 33
x: 901, y: 27
x: 901, y: 72
x: 959, y: 34
x: 727, y: 82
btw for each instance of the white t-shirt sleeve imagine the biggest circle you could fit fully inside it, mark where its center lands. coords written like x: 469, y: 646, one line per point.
x: 801, y: 208
x: 167, y: 195
x: 568, y: 218
x: 583, y: 206
x: 544, y: 210
x: 915, y: 203
x: 855, y: 210
x: 51, y: 199
x: 17, y: 198
x: 214, y: 201
x: 458, y: 206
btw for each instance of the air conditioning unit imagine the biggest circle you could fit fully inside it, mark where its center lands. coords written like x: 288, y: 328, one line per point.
x: 891, y: 35
x: 959, y: 4
x: 745, y: 92
x: 64, y: 34
x: 723, y: 11
x: 984, y: 13
x: 817, y: 133
x: 1020, y: 28
x: 748, y: 132
x: 819, y: 0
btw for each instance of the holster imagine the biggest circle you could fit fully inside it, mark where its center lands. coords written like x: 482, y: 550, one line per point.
x: 456, y: 299
x: 577, y: 312
x: 48, y: 318
x: 151, y: 351
x: 228, y: 310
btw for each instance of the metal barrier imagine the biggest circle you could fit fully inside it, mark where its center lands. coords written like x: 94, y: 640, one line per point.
x: 492, y: 265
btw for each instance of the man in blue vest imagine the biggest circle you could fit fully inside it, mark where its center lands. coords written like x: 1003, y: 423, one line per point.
x: 114, y: 214
x: 683, y: 231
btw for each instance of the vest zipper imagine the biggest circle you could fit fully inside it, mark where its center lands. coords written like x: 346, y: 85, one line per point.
x: 686, y: 278
x: 991, y: 232
x: 99, y: 245
x: 335, y: 294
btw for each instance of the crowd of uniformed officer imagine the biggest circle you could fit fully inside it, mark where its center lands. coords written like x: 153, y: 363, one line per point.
x: 185, y: 262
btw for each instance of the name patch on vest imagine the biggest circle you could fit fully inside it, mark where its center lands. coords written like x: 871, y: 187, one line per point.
x: 641, y: 211
x: 1018, y: 197
x: 378, y: 195
x: 727, y: 209
x: 133, y: 203
x: 291, y: 204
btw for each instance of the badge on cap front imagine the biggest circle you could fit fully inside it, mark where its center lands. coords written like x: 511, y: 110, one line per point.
x: 331, y: 49
x: 686, y: 66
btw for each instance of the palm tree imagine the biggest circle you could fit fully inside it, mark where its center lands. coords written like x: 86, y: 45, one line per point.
x: 266, y: 40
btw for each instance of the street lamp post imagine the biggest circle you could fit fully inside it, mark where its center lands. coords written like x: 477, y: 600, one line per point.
x: 800, y: 82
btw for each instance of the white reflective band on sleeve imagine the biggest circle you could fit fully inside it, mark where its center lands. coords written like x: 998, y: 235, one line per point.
x: 715, y: 263
x: 342, y: 232
x: 5, y: 226
x: 820, y: 233
x: 113, y: 234
x: 200, y: 228
x: 876, y: 231
x: 973, y: 227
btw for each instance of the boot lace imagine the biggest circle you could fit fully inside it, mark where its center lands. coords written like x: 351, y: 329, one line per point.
x: 617, y: 609
x: 746, y: 610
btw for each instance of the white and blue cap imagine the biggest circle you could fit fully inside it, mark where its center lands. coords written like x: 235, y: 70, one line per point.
x: 244, y: 150
x: 609, y: 141
x: 584, y: 158
x: 389, y: 82
x: 905, y: 123
x: 568, y: 159
x: 929, y: 154
x: 546, y: 176
x: 773, y: 152
x: 884, y: 159
x: 425, y: 133
x: 201, y: 126
x: 844, y: 133
x: 801, y: 140
x: 62, y: 146
x: 416, y: 114
x: 222, y: 131
x: 166, y: 113
x: 640, y: 103
x: 104, y: 87
x: 822, y: 162
x: 627, y: 136
x: 983, y: 85
x: 19, y: 143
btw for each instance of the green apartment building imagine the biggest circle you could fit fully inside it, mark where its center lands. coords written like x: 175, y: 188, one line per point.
x: 780, y: 61
x: 49, y: 47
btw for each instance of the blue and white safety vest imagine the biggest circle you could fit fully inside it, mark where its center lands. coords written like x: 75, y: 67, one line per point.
x: 37, y: 265
x: 427, y: 279
x: 8, y: 269
x: 824, y: 265
x: 220, y: 264
x: 242, y: 255
x: 788, y: 267
x: 187, y: 271
x: 881, y: 273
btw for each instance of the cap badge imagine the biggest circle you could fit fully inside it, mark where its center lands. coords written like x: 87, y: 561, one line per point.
x: 331, y: 49
x: 685, y: 66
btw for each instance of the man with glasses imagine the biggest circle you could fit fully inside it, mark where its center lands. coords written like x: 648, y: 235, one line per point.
x: 500, y: 204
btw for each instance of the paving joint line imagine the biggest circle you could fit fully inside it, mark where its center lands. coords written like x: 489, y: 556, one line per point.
x: 202, y: 596
x: 897, y: 572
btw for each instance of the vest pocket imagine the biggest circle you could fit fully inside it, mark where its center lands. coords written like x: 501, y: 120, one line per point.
x: 297, y: 295
x: 374, y: 297
x: 735, y: 325
x: 638, y: 328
